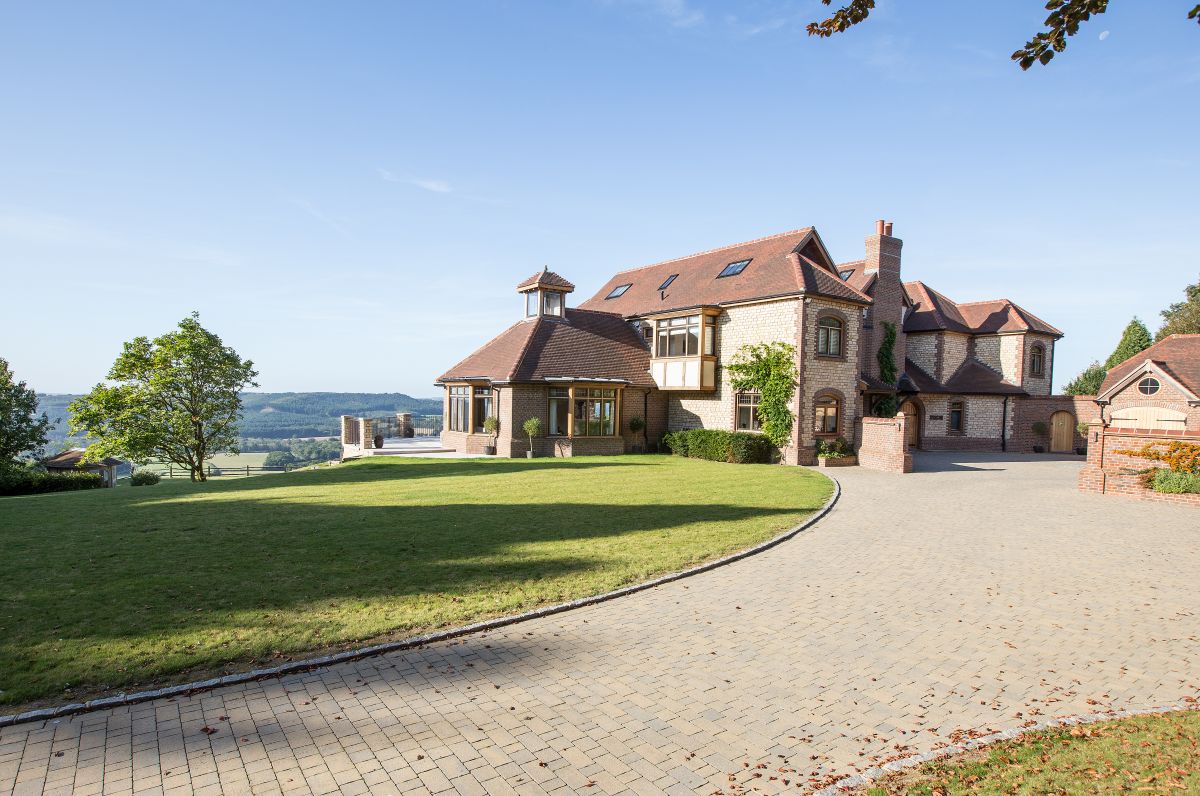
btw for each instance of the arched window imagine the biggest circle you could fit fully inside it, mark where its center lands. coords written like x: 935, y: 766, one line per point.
x: 1037, y: 361
x: 829, y: 337
x: 826, y: 415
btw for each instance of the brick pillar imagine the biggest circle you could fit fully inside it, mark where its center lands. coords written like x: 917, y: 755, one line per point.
x: 404, y: 424
x: 883, y: 260
x: 365, y: 433
x: 349, y: 430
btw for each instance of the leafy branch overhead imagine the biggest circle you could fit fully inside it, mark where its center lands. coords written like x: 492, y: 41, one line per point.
x: 1065, y: 18
x: 770, y: 370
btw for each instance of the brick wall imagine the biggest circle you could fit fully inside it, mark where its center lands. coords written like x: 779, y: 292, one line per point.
x: 1167, y: 397
x: 1105, y: 471
x: 737, y: 326
x: 883, y: 446
x: 1040, y: 408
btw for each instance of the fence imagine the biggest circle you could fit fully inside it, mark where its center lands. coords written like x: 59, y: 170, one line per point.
x: 392, y: 425
x: 237, y: 471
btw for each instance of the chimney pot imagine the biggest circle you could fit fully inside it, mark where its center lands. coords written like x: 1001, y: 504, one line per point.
x: 879, y: 227
x: 887, y: 229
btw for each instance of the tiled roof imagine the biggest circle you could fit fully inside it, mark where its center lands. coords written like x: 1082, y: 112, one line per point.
x: 772, y: 271
x: 972, y: 377
x: 857, y: 278
x: 1178, y: 355
x: 586, y: 345
x: 933, y: 311
x: 548, y: 278
x: 72, y: 458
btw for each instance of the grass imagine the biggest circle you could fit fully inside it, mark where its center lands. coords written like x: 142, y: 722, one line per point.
x: 128, y: 588
x: 1146, y: 754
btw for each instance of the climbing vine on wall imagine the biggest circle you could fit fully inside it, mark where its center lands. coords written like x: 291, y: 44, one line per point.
x: 769, y: 369
x: 886, y: 406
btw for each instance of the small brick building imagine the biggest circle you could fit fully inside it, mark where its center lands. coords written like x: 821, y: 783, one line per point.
x: 651, y: 342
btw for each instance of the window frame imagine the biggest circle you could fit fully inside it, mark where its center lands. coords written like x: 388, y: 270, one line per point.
x: 559, y: 310
x: 1146, y: 390
x: 826, y: 323
x: 748, y: 400
x: 583, y: 404
x: 558, y: 397
x: 734, y: 268
x: 1037, y: 361
x: 822, y: 403
x: 961, y: 403
x: 458, y: 415
x: 618, y: 291
x: 482, y: 403
x: 667, y: 282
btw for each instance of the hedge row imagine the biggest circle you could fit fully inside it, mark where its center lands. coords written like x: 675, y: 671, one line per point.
x: 739, y: 447
x: 33, y: 482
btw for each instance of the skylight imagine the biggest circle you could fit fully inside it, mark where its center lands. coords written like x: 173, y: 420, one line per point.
x: 618, y: 291
x: 733, y: 269
x: 667, y: 283
x: 846, y: 274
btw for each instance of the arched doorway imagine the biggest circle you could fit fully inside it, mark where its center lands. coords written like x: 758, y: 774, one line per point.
x: 912, y: 422
x: 1062, y: 432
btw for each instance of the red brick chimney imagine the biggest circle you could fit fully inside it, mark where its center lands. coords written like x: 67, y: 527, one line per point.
x: 883, y: 260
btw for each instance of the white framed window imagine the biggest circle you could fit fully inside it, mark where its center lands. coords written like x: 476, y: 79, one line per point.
x: 747, y: 411
x: 1148, y: 386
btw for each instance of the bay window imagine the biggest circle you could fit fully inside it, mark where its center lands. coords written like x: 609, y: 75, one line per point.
x: 460, y: 408
x: 560, y: 407
x: 595, y: 412
x: 483, y: 407
x: 678, y: 337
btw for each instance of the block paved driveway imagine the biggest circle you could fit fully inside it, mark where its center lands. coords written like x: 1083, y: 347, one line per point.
x: 978, y: 594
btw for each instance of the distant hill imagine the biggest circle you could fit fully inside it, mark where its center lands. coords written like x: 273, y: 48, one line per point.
x: 281, y: 415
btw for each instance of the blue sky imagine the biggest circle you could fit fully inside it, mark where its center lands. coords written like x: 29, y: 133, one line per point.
x: 349, y: 192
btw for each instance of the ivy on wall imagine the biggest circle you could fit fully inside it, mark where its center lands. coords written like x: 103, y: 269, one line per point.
x: 769, y: 369
x: 886, y: 406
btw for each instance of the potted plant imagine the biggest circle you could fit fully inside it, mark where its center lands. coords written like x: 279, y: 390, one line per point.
x: 1083, y: 429
x: 378, y: 440
x: 532, y: 428
x: 835, y: 453
x: 491, y: 425
x: 636, y: 425
x: 1041, y: 431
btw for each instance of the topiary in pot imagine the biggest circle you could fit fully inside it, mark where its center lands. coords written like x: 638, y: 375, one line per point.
x: 1041, y: 431
x: 532, y: 428
x: 491, y: 425
x: 636, y: 425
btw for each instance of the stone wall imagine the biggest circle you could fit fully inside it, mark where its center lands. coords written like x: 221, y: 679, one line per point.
x: 883, y: 445
x: 1036, y: 385
x: 922, y: 350
x: 955, y: 349
x: 825, y: 376
x: 1107, y: 471
x: 737, y: 326
x: 984, y: 416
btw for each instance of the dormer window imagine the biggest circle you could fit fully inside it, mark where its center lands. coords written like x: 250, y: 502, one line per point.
x: 846, y: 274
x: 667, y: 282
x: 552, y: 303
x: 531, y: 304
x: 545, y: 295
x: 618, y: 291
x: 733, y: 269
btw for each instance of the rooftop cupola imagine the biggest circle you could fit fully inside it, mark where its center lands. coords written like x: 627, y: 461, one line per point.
x: 545, y: 294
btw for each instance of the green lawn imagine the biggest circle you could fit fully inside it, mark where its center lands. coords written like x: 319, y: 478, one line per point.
x: 133, y: 587
x: 1145, y: 754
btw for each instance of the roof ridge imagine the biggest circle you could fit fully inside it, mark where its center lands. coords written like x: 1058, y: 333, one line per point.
x: 520, y: 360
x: 717, y: 249
x: 986, y: 301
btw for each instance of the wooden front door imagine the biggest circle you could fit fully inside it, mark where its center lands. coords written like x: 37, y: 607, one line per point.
x: 912, y: 424
x: 1062, y: 432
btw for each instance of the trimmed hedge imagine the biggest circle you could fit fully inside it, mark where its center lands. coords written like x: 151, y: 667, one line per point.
x: 738, y: 447
x: 146, y: 477
x: 34, y: 482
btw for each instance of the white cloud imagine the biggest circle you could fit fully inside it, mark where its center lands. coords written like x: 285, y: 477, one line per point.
x: 431, y: 185
x: 1103, y: 35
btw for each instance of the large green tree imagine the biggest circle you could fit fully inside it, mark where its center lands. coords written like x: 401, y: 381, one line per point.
x: 1088, y: 382
x: 1065, y: 18
x: 22, y: 430
x: 1135, y: 339
x: 1182, y: 317
x: 174, y: 399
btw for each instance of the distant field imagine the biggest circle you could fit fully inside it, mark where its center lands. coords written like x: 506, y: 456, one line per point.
x: 224, y: 461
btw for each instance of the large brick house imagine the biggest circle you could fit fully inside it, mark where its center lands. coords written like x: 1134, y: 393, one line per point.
x: 651, y: 344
